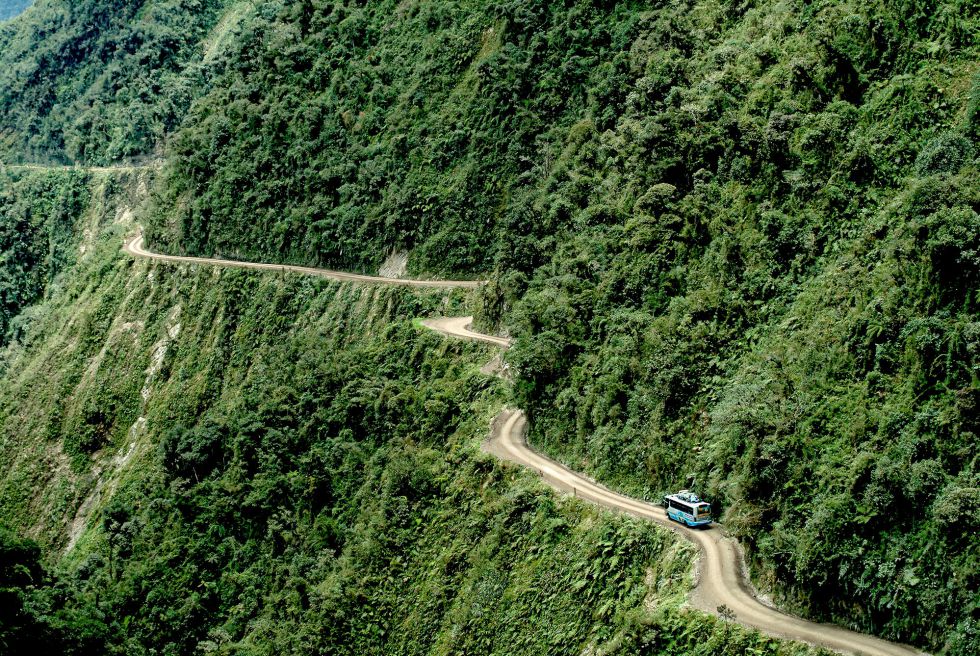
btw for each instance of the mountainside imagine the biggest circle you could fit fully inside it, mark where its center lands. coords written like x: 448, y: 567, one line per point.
x: 98, y: 81
x: 234, y: 462
x: 735, y: 244
x: 38, y: 214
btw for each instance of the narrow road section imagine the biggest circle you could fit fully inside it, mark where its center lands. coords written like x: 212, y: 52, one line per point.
x: 136, y: 248
x: 115, y: 168
x: 722, y: 578
x: 460, y: 327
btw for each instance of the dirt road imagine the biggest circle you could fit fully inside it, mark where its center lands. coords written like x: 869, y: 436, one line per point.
x: 121, y: 168
x: 721, y: 572
x: 135, y: 248
x: 460, y: 327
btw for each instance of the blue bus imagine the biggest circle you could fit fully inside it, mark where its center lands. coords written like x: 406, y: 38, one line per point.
x: 685, y: 507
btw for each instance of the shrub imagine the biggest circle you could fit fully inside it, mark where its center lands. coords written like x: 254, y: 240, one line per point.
x: 945, y: 153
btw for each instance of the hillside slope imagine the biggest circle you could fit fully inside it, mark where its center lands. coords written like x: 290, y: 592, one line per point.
x: 735, y: 245
x: 96, y: 81
x: 225, y: 461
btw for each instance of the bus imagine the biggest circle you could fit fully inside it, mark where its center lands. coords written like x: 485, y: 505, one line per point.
x: 685, y: 507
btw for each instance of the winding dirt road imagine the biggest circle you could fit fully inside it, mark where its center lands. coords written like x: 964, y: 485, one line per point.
x: 135, y: 248
x: 119, y: 168
x: 722, y: 580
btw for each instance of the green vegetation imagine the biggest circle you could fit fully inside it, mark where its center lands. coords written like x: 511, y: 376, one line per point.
x: 96, y: 81
x: 40, y: 615
x: 736, y: 243
x: 835, y: 420
x: 37, y: 217
x: 243, y: 463
x: 736, y: 246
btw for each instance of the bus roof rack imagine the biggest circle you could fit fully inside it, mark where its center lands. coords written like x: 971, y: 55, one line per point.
x: 687, y: 495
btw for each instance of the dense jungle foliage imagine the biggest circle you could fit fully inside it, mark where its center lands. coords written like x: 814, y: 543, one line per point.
x: 243, y: 463
x: 38, y: 213
x: 96, y: 81
x: 736, y: 243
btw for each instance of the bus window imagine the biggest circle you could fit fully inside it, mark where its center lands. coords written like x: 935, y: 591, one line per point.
x: 684, y: 508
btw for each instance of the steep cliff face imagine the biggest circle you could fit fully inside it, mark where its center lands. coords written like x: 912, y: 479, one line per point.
x: 241, y: 462
x: 735, y: 244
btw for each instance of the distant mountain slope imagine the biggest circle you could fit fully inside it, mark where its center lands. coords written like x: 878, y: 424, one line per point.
x: 37, y: 217
x: 94, y: 81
